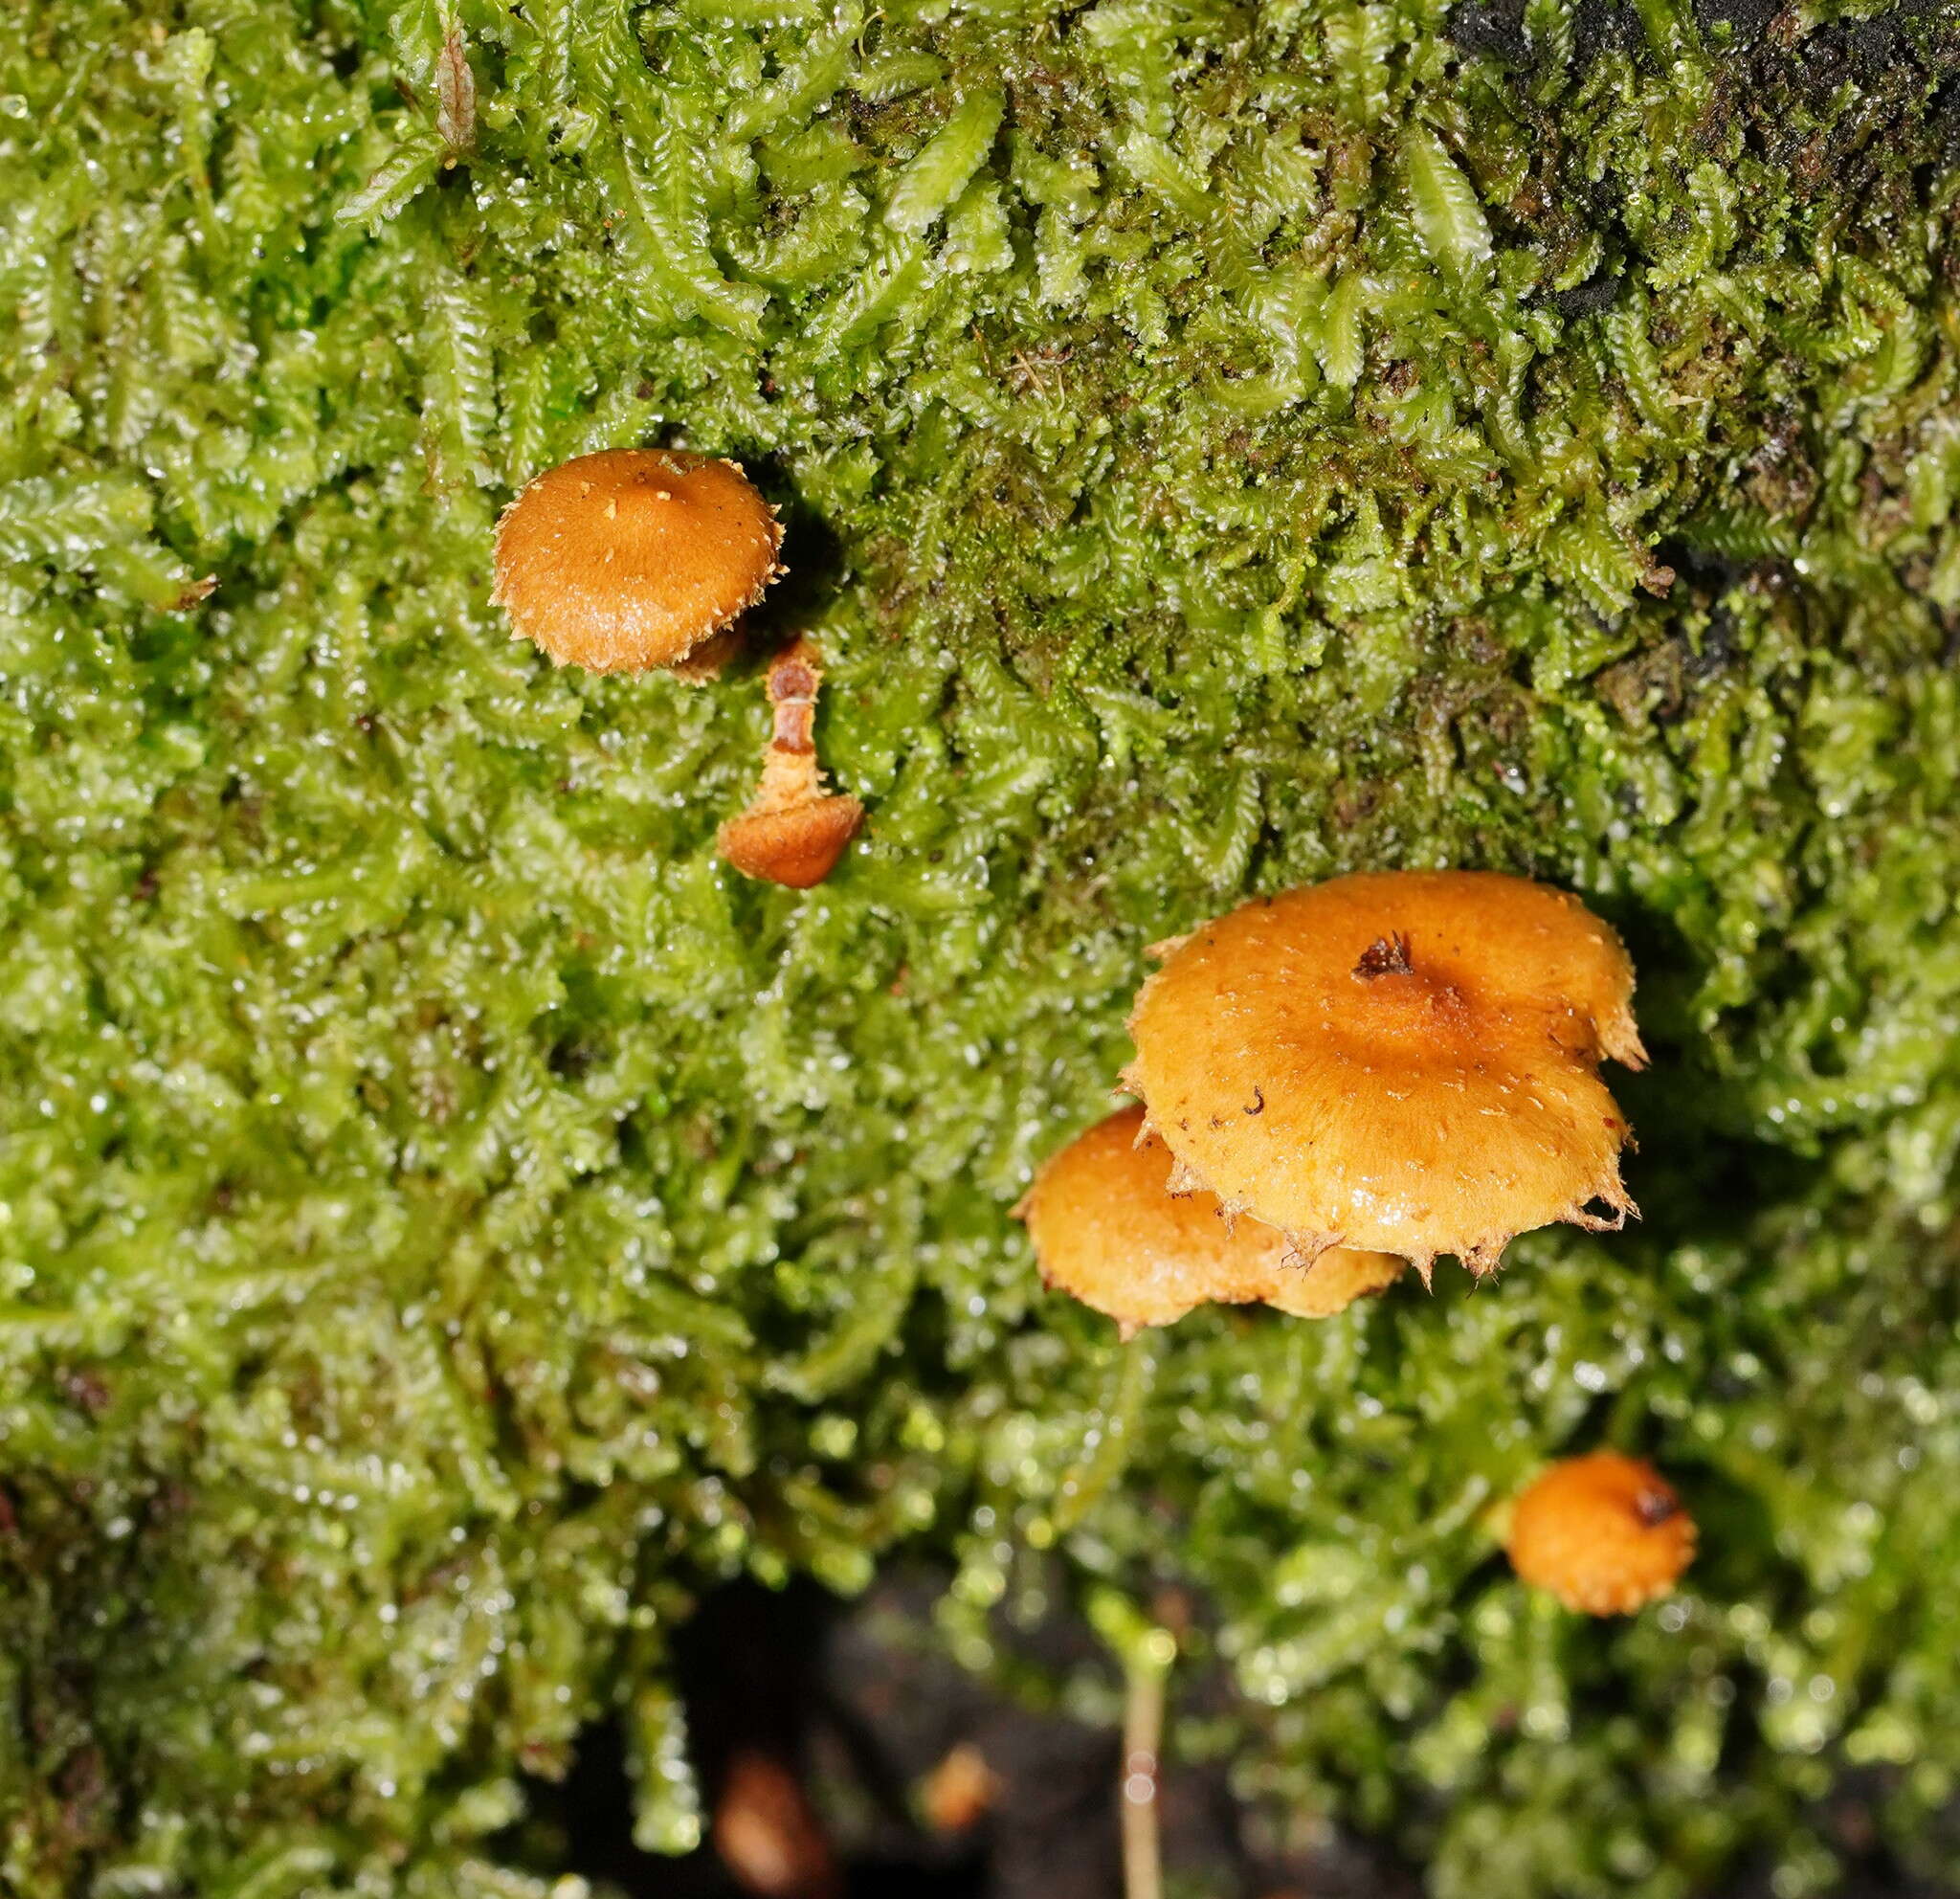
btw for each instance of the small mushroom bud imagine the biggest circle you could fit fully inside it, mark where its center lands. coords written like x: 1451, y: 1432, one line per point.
x: 794, y: 830
x: 960, y: 1791
x: 635, y: 558
x: 1604, y: 1533
x: 1108, y: 1230
x: 769, y: 1836
x: 1420, y: 1051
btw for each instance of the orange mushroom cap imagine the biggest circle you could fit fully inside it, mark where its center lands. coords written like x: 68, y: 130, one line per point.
x: 632, y: 557
x: 1108, y: 1231
x: 1402, y: 1061
x: 1604, y: 1533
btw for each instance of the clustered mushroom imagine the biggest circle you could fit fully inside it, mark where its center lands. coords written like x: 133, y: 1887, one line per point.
x: 1604, y: 1533
x: 632, y: 559
x: 1108, y: 1230
x: 1382, y: 1067
x: 1343, y: 1080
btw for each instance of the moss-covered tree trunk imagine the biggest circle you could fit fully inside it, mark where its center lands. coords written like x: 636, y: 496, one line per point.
x: 446, y: 1219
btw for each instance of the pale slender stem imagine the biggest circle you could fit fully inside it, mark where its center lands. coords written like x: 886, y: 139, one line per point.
x: 1143, y: 1735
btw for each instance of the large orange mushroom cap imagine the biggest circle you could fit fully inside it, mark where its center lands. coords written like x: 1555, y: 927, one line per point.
x: 1604, y: 1533
x: 634, y: 557
x: 1402, y: 1061
x: 1108, y: 1231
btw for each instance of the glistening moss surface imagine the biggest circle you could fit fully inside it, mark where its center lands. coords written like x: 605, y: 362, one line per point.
x: 448, y: 1219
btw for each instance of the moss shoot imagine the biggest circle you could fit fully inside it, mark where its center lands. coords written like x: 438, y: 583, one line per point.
x: 448, y: 1219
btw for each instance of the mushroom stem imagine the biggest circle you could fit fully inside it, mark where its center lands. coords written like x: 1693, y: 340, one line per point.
x: 1145, y: 1650
x: 794, y: 678
x: 1143, y: 1738
x: 788, y: 779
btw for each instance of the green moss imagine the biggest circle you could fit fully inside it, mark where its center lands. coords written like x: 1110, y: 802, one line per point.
x: 448, y: 1220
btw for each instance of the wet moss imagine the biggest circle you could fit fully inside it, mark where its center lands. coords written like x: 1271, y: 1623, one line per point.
x: 448, y: 1219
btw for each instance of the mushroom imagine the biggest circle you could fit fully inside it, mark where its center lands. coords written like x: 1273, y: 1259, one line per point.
x: 1333, y: 1282
x: 1403, y: 1061
x: 635, y: 557
x: 1108, y: 1231
x: 793, y: 830
x: 958, y: 1792
x: 1604, y: 1533
x: 769, y: 1836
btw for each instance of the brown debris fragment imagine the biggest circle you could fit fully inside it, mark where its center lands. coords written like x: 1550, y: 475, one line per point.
x: 1385, y: 956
